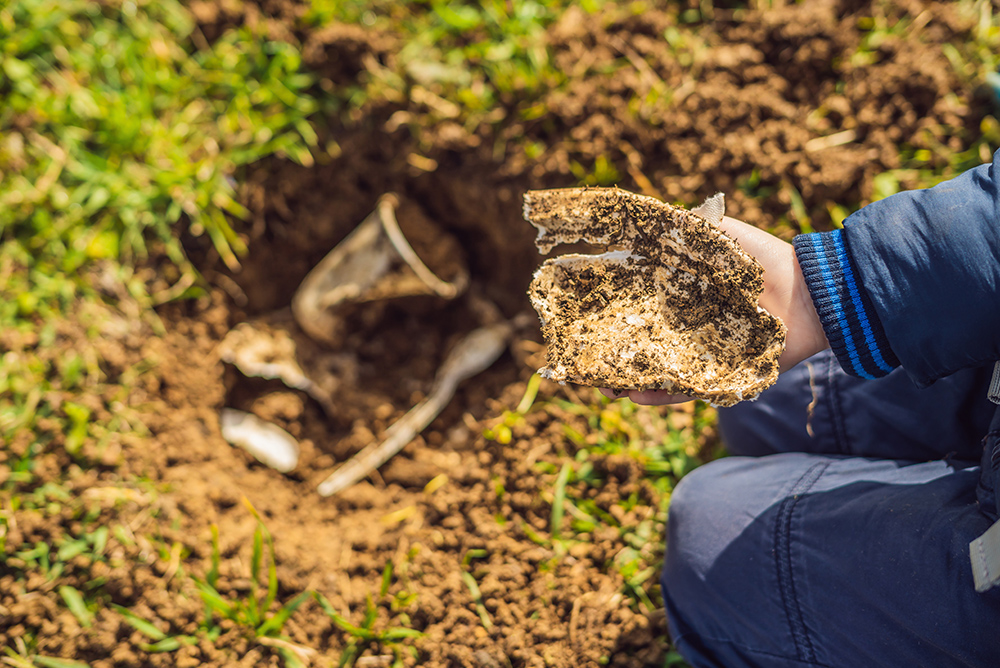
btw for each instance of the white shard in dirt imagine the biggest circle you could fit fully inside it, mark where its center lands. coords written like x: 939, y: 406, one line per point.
x: 266, y: 349
x: 269, y: 443
x: 672, y: 305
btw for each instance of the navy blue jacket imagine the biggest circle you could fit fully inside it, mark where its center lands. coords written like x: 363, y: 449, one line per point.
x: 913, y: 280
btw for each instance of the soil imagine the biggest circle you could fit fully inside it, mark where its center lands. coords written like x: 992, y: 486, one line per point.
x: 739, y: 105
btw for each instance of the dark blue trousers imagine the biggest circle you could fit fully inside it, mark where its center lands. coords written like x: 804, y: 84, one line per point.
x: 838, y: 535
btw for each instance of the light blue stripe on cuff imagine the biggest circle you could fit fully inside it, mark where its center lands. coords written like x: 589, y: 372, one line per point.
x: 852, y: 350
x: 859, y: 308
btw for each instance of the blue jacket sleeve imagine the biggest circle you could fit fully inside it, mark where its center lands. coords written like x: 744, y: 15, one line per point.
x: 913, y: 280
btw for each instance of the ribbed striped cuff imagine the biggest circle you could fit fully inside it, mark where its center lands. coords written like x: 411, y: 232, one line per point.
x: 844, y: 309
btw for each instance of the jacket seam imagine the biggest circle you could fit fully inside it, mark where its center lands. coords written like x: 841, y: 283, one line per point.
x: 927, y: 380
x: 985, y: 487
x: 804, y: 649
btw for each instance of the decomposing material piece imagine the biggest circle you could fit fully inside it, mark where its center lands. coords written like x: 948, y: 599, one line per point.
x: 269, y: 443
x: 270, y: 352
x: 472, y: 355
x: 672, y: 305
x: 375, y: 262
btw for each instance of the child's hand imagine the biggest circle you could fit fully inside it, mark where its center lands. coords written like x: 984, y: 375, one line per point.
x: 785, y: 296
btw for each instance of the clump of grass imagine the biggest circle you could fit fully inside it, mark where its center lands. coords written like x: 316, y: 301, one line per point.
x: 475, y: 64
x: 69, y: 560
x: 666, y: 445
x: 57, y: 399
x: 257, y: 613
x: 931, y: 157
x: 373, y: 633
x: 259, y: 616
x: 368, y: 634
x: 115, y: 127
x: 254, y: 611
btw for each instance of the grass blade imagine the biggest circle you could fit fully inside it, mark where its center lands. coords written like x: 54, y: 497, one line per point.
x: 400, y: 634
x: 256, y: 556
x: 386, y: 579
x: 76, y: 604
x: 170, y: 644
x: 277, y: 622
x: 371, y: 614
x: 348, y: 656
x: 291, y: 659
x: 530, y: 394
x: 252, y: 605
x: 213, y: 573
x: 559, y: 501
x: 15, y: 659
x: 100, y: 538
x: 339, y: 621
x: 272, y: 574
x: 477, y: 597
x: 53, y: 662
x: 214, y: 601
x: 140, y: 624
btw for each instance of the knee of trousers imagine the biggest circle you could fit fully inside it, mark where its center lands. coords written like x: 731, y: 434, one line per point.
x: 698, y: 506
x: 718, y: 574
x: 713, y: 505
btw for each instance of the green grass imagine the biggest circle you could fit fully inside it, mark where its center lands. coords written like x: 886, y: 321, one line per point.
x: 115, y: 128
x: 664, y: 445
x: 71, y: 559
x: 369, y: 635
x: 253, y: 612
x: 257, y: 613
x: 118, y: 134
x: 19, y: 660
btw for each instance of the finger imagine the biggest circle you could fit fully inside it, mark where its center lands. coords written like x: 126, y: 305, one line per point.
x: 613, y: 394
x: 656, y: 397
